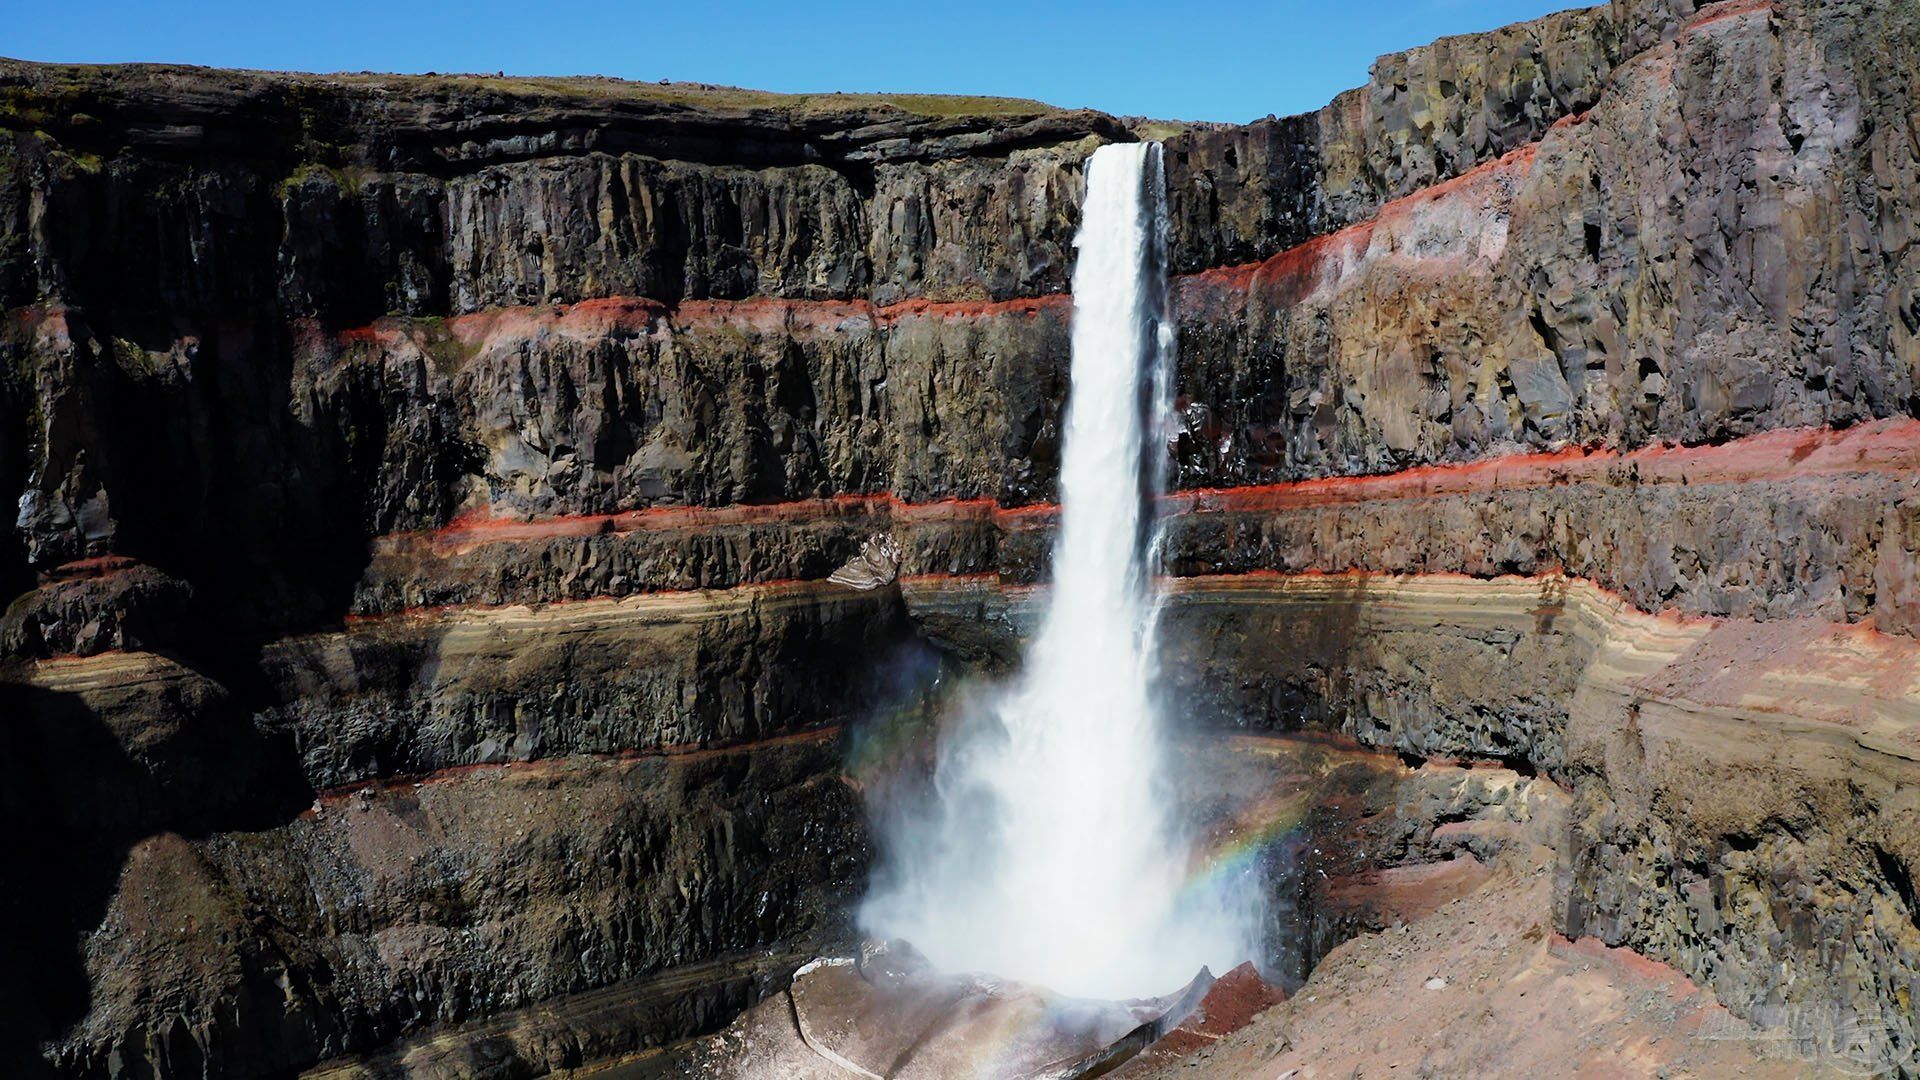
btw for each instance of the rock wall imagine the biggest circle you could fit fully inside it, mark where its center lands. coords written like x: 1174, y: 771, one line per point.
x: 1715, y: 245
x: 498, y: 436
x: 1742, y: 792
x: 441, y: 817
x: 378, y: 912
x: 1612, y: 227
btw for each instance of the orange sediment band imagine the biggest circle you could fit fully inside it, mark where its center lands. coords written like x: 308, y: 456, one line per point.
x: 1884, y: 447
x: 1880, y: 447
x: 637, y: 314
x: 1290, y: 276
x: 477, y: 528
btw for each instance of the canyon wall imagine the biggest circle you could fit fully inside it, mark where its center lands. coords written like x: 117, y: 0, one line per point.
x: 397, y: 459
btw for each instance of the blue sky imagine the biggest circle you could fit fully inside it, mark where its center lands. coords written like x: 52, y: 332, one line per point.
x: 1219, y: 61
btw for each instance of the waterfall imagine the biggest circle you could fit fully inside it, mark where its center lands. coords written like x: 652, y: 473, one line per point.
x: 1051, y: 852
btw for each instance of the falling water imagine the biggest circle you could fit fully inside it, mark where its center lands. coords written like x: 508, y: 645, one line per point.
x: 1051, y: 853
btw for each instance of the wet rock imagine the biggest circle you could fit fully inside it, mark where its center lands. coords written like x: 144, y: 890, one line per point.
x: 899, y: 1018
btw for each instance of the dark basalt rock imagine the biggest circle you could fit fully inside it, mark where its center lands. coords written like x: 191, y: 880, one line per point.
x: 281, y: 349
x: 1702, y: 255
x: 431, y: 822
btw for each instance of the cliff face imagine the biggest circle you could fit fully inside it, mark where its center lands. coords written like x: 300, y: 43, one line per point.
x: 321, y: 394
x: 272, y: 316
x: 262, y: 319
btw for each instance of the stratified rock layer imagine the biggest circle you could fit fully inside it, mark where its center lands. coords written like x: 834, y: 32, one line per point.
x: 1609, y: 227
x: 1548, y: 399
x: 511, y: 805
x: 1741, y: 791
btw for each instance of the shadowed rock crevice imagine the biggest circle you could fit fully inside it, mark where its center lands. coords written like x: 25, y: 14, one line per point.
x: 97, y: 775
x: 538, y: 805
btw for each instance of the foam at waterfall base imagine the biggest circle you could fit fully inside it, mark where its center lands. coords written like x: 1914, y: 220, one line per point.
x: 888, y: 1013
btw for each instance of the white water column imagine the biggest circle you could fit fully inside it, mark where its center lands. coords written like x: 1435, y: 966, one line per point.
x: 1053, y: 854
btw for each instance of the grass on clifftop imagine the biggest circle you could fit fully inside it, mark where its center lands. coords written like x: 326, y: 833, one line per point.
x: 54, y: 80
x: 717, y: 96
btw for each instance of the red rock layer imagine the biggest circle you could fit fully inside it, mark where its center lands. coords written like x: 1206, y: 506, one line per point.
x: 1291, y: 276
x: 1286, y: 277
x: 633, y: 314
x: 1882, y: 447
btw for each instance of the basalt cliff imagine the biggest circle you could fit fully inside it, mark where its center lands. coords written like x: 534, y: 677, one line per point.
x: 420, y: 650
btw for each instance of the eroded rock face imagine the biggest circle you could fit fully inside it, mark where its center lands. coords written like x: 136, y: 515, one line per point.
x: 439, y: 818
x: 597, y: 677
x: 1737, y: 788
x: 888, y: 1013
x: 1614, y: 226
x: 385, y: 909
x: 1739, y: 804
x: 1483, y: 985
x: 1691, y: 258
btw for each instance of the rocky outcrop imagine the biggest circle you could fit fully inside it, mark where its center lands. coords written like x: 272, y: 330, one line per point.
x: 193, y: 256
x: 443, y: 817
x: 441, y: 195
x: 1717, y: 246
x: 1614, y: 226
x: 1801, y: 522
x: 1518, y: 258
x: 1483, y: 985
x: 387, y: 908
x: 598, y: 1027
x: 427, y: 692
x: 1239, y: 194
